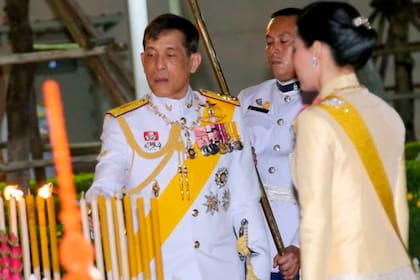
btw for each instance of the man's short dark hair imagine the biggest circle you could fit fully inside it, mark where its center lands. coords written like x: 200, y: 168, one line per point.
x: 286, y: 12
x: 168, y: 21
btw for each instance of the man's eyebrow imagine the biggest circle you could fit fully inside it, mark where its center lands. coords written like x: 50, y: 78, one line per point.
x: 287, y: 33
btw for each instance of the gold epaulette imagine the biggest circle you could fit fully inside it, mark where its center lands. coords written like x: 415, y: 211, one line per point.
x: 127, y: 107
x: 215, y: 95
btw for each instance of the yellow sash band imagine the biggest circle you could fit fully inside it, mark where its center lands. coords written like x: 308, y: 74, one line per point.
x: 171, y: 207
x: 354, y: 126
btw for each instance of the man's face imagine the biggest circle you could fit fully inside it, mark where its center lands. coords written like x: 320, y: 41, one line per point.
x: 279, y: 37
x: 167, y: 65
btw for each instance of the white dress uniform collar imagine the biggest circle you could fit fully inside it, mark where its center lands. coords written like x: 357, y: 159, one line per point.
x: 174, y: 108
x: 288, y: 89
x: 285, y: 87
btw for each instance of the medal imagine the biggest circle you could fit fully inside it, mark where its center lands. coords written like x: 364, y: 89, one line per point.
x: 205, y: 150
x: 225, y: 139
x: 155, y: 189
x: 211, y: 114
x: 234, y: 141
x: 212, y: 203
x: 191, y: 153
x: 212, y: 147
x: 152, y: 143
x: 189, y: 148
x: 226, y: 199
x: 222, y: 175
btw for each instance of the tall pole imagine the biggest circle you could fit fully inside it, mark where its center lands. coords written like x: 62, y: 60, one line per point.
x: 209, y: 47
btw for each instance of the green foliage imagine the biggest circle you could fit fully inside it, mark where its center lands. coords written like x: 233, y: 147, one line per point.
x: 412, y: 165
x: 412, y: 150
x: 82, y: 181
x: 414, y: 232
x: 413, y: 175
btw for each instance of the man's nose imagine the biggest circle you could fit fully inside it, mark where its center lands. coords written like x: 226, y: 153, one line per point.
x: 160, y: 62
x: 277, y: 46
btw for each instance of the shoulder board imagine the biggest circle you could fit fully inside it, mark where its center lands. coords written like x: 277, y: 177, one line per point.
x: 127, y: 107
x: 222, y: 97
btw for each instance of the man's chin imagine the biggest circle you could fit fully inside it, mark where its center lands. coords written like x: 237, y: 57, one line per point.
x: 161, y: 93
x: 160, y: 90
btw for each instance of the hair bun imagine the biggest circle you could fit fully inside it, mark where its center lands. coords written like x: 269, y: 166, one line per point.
x: 361, y: 20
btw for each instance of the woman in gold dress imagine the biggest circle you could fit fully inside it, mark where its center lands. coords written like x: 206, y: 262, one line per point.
x: 349, y: 157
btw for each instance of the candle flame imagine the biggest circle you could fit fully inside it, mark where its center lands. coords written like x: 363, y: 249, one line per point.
x: 12, y: 191
x: 45, y: 191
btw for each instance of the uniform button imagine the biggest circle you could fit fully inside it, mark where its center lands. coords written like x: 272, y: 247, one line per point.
x: 271, y: 170
x: 287, y: 99
x: 276, y: 147
x: 196, y: 244
x: 195, y: 213
x: 280, y: 121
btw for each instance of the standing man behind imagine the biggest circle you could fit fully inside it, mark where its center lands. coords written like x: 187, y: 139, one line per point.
x: 269, y: 110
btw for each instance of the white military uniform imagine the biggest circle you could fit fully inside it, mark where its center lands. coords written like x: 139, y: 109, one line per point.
x: 268, y: 115
x: 200, y: 244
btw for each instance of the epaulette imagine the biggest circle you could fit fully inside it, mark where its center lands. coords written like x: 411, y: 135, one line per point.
x: 222, y: 97
x: 127, y: 107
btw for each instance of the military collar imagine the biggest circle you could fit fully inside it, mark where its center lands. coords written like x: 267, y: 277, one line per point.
x: 288, y: 86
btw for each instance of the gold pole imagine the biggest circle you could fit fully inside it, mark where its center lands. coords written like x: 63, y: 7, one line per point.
x: 271, y: 221
x: 265, y: 204
x: 209, y: 47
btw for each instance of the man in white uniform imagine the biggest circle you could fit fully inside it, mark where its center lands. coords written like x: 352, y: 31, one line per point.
x: 269, y: 109
x: 188, y: 149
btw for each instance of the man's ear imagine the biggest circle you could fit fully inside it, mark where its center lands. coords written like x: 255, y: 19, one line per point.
x: 195, y: 62
x: 142, y: 58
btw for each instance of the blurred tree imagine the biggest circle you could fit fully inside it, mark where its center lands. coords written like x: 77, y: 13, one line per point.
x: 22, y: 123
x: 399, y: 15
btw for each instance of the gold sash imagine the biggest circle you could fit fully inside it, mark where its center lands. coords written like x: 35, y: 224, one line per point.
x: 171, y: 207
x: 354, y: 126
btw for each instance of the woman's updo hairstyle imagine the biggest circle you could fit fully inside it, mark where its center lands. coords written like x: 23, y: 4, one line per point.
x: 339, y: 25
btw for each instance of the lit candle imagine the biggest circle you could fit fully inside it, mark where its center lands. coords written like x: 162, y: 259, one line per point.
x: 85, y: 223
x: 111, y: 235
x: 97, y: 237
x: 75, y: 251
x: 156, y: 238
x: 2, y: 218
x: 23, y: 223
x: 130, y: 236
x: 40, y: 203
x: 144, y: 243
x: 105, y: 239
x: 122, y: 239
x: 12, y: 217
x: 33, y: 235
x: 10, y: 194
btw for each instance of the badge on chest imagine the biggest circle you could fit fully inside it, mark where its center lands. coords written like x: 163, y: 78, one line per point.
x: 152, y: 141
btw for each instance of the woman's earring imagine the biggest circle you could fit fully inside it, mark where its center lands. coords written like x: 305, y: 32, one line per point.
x: 314, y: 62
